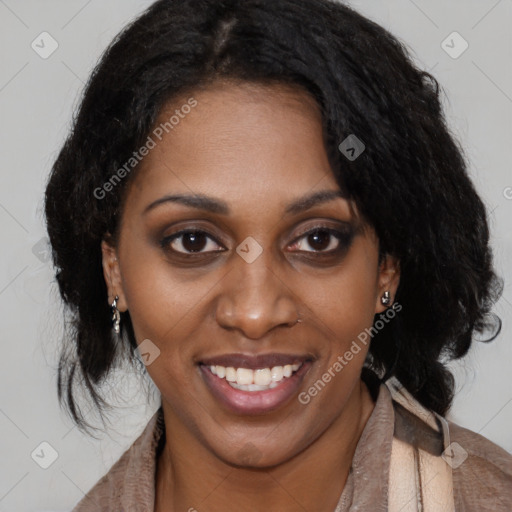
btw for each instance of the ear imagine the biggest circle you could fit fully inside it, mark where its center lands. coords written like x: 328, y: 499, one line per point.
x: 388, y: 280
x: 112, y: 274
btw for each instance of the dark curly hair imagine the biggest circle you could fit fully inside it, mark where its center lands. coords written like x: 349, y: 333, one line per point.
x: 410, y: 184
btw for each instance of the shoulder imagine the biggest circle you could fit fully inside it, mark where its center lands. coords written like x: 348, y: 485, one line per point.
x: 130, y: 481
x: 109, y: 488
x: 482, y: 471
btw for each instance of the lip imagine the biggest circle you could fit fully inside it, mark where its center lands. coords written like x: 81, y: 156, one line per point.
x: 255, y: 361
x: 253, y: 402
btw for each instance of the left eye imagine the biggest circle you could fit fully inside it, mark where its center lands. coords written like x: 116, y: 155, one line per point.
x: 319, y: 240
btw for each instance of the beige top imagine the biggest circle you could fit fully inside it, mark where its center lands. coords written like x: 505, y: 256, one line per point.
x: 482, y: 471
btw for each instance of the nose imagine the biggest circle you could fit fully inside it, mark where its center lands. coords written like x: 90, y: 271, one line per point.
x: 254, y: 299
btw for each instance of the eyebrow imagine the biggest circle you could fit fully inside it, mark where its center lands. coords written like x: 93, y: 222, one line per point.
x: 212, y: 205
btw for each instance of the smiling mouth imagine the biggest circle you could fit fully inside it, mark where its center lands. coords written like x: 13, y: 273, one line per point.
x: 260, y: 379
x: 254, y: 384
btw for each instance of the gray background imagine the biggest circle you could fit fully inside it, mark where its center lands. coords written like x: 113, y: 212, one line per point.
x: 37, y: 97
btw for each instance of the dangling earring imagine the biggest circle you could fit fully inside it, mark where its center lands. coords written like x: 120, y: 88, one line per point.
x: 116, y: 316
x: 385, y: 299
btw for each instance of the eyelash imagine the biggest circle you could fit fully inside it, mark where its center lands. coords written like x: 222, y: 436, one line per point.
x: 344, y: 240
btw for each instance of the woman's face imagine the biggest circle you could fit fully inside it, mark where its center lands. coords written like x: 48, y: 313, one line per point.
x: 234, y: 228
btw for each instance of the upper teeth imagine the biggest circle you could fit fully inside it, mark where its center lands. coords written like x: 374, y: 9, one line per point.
x: 263, y: 378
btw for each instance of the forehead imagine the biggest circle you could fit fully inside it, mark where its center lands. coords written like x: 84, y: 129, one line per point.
x: 238, y: 140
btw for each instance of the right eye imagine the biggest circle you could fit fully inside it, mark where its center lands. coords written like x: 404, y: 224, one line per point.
x: 191, y: 242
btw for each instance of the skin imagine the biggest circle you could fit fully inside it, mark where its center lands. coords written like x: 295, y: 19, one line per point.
x: 258, y: 149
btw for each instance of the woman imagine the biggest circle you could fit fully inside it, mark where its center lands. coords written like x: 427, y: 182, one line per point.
x: 261, y: 202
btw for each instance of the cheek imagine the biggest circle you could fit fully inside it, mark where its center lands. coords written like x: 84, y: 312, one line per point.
x: 170, y: 309
x: 156, y: 296
x: 163, y: 315
x: 344, y: 303
x: 162, y: 311
x: 343, y: 307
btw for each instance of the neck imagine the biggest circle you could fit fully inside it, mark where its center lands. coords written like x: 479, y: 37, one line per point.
x: 190, y: 477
